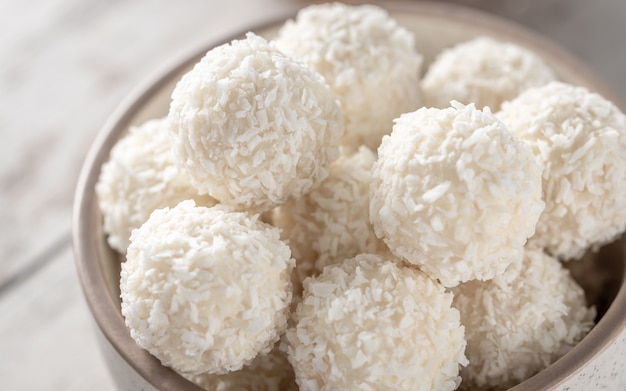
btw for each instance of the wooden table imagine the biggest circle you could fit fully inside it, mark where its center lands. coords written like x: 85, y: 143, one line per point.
x: 65, y: 65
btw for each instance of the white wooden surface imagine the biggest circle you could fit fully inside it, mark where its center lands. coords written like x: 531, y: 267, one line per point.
x: 64, y: 66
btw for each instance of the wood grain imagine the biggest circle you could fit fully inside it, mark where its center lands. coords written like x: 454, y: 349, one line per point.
x: 48, y: 336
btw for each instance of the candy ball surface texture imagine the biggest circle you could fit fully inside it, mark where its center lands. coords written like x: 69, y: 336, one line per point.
x: 579, y: 139
x: 205, y: 290
x: 455, y: 193
x: 373, y: 324
x: 253, y: 126
x: 483, y: 71
x: 268, y: 372
x: 514, y: 331
x: 331, y: 223
x: 368, y: 59
x: 140, y: 176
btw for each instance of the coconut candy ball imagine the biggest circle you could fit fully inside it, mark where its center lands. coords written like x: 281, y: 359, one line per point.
x: 253, y: 126
x: 368, y: 59
x: 140, y: 176
x: 268, y: 372
x: 483, y: 71
x: 331, y: 223
x: 514, y: 330
x: 370, y: 323
x: 455, y: 193
x: 579, y: 138
x: 205, y: 290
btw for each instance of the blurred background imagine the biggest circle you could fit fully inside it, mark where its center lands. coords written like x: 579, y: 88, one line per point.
x: 65, y: 65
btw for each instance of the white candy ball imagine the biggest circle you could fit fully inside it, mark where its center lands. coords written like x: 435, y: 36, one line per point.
x: 140, y: 176
x: 268, y: 372
x: 455, y: 193
x: 483, y: 71
x: 254, y: 127
x: 368, y: 59
x: 205, y: 290
x: 516, y: 329
x: 579, y: 138
x: 373, y: 324
x: 331, y: 223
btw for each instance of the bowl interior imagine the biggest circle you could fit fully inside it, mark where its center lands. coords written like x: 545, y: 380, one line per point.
x: 436, y: 25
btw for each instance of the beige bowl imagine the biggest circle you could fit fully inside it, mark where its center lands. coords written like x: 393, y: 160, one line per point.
x: 596, y: 362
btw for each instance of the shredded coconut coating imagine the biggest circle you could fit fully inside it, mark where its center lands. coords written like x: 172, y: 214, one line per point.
x: 268, y: 372
x: 368, y: 59
x: 373, y: 324
x: 331, y: 223
x: 514, y: 331
x: 579, y: 140
x: 205, y: 290
x: 455, y: 193
x: 483, y: 71
x: 140, y: 176
x: 253, y: 126
x: 294, y: 232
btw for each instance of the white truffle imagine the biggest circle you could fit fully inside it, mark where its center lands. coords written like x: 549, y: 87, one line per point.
x: 140, y: 176
x: 373, y: 324
x: 205, y: 290
x: 268, y: 372
x: 368, y: 59
x: 483, y: 71
x: 331, y: 223
x: 514, y: 331
x: 579, y: 139
x: 254, y: 127
x: 455, y: 193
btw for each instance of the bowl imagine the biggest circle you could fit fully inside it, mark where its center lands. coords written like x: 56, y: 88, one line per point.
x: 598, y: 361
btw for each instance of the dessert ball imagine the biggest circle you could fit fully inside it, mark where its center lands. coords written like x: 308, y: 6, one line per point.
x: 370, y: 323
x: 268, y: 372
x: 483, y: 71
x: 331, y: 223
x: 579, y: 138
x: 254, y: 127
x: 455, y: 193
x: 140, y: 176
x: 368, y: 59
x: 205, y: 290
x: 514, y: 330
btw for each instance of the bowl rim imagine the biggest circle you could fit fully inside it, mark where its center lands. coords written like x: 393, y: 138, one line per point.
x: 105, y: 309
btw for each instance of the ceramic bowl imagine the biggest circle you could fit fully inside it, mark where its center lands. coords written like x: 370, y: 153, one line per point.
x: 597, y: 362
